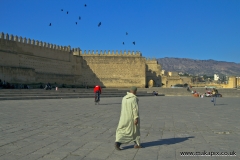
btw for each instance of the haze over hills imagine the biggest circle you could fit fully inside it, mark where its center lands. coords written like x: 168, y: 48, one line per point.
x: 200, y: 67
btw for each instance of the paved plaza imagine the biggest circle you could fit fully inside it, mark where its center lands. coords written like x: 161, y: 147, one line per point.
x: 75, y: 129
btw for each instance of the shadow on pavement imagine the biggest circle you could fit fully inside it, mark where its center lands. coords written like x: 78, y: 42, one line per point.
x: 168, y: 141
x: 108, y: 103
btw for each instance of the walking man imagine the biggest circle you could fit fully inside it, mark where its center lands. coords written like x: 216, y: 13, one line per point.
x: 97, y: 90
x: 128, y: 129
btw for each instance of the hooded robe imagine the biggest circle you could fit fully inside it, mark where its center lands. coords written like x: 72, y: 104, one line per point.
x: 127, y: 131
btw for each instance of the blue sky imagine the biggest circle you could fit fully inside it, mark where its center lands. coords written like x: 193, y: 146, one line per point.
x: 196, y: 29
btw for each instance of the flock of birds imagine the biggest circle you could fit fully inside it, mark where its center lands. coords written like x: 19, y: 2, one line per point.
x: 99, y: 24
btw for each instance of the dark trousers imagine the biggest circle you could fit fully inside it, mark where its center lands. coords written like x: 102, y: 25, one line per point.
x: 97, y: 96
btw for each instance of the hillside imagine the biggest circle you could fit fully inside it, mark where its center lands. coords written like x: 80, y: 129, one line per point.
x: 200, y: 67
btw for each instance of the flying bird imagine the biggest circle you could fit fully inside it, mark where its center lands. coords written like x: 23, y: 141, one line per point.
x: 79, y: 18
x: 99, y: 24
x: 50, y: 24
x: 61, y: 9
x: 85, y: 5
x: 67, y: 12
x: 123, y: 43
x: 126, y: 33
x: 76, y: 23
x: 134, y: 42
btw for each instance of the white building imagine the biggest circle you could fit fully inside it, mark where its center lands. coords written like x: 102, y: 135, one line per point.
x: 216, y: 77
x: 181, y: 73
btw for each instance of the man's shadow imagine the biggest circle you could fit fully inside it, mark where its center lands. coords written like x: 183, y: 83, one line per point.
x: 108, y: 103
x: 219, y: 104
x: 168, y: 141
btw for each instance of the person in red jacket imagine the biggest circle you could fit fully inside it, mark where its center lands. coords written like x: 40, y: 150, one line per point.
x: 97, y: 90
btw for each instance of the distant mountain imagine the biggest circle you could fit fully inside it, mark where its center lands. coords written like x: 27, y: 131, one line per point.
x: 200, y: 67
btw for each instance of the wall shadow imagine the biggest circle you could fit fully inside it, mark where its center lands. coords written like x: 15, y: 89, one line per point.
x: 168, y: 141
x: 89, y: 78
x: 108, y: 103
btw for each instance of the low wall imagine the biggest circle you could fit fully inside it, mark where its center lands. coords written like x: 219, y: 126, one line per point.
x: 184, y: 92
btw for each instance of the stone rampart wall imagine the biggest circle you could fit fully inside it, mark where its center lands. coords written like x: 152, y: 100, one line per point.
x: 28, y: 75
x: 171, y: 81
x: 32, y: 61
x: 34, y: 47
x: 43, y: 59
x: 28, y: 61
x: 16, y: 74
x: 153, y: 72
x: 115, y: 71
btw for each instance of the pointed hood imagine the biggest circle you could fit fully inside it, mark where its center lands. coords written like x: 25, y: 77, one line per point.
x: 130, y: 95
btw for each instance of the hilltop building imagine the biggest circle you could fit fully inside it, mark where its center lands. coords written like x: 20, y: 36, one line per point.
x: 216, y: 77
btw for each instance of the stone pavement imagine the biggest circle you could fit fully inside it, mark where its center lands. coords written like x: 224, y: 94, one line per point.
x: 74, y: 129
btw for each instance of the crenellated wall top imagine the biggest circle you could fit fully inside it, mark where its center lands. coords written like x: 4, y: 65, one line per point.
x: 151, y: 61
x: 79, y: 52
x: 75, y: 51
x: 34, y: 42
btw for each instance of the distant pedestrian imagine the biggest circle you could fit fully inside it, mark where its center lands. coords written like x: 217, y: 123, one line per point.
x: 97, y: 91
x: 214, y: 95
x: 155, y: 93
x: 128, y: 129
